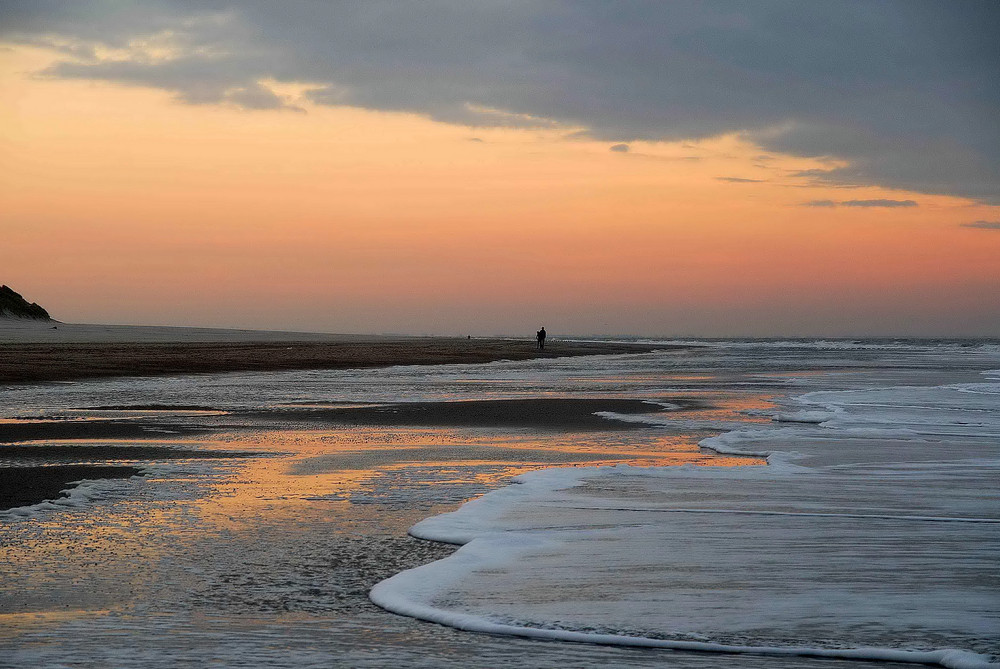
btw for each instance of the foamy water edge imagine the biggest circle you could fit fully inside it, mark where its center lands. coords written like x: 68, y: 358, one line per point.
x: 401, y: 593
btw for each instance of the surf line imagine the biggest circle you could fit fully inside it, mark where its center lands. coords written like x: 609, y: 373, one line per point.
x: 387, y: 595
x: 744, y: 512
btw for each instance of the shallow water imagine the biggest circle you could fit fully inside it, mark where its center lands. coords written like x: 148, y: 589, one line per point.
x: 269, y: 560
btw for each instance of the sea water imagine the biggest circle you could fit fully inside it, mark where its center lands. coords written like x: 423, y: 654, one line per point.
x: 872, y: 532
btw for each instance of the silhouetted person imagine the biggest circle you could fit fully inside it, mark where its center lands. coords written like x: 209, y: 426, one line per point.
x: 541, y: 338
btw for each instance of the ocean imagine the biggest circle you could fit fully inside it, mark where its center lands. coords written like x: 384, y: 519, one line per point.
x: 749, y: 503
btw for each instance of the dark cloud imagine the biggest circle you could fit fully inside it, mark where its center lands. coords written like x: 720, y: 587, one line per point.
x: 813, y: 173
x: 619, y: 148
x: 904, y: 92
x: 739, y: 180
x: 878, y: 203
x: 982, y: 225
x: 255, y: 96
x: 861, y: 203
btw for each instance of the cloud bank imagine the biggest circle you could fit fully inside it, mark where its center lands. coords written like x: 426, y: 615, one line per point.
x: 982, y: 225
x: 903, y: 92
x: 878, y: 203
x: 861, y: 203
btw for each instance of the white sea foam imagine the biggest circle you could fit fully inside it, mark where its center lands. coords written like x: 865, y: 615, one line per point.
x: 660, y: 420
x: 817, y: 417
x: 645, y: 419
x: 669, y: 406
x: 872, y: 529
x: 402, y: 593
x: 503, y: 532
x: 77, y: 494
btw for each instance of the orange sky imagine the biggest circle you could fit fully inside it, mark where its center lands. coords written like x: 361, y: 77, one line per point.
x: 120, y: 205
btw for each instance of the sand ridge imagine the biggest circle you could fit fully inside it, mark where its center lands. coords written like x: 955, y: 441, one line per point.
x: 30, y: 354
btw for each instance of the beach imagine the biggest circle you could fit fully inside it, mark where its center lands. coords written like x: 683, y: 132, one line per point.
x: 464, y: 335
x: 270, y: 503
x: 32, y: 352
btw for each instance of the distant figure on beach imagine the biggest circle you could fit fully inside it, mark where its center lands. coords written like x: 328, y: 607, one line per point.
x: 541, y: 338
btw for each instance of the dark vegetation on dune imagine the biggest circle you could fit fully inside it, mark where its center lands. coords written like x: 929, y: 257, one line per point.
x: 12, y: 305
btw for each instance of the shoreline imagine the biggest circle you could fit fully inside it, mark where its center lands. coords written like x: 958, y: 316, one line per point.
x: 40, y: 362
x: 289, y: 546
x: 483, y: 527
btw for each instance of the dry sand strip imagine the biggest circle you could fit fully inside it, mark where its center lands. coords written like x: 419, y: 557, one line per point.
x: 35, y: 362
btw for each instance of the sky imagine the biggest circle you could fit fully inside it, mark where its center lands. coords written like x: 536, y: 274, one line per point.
x: 646, y: 168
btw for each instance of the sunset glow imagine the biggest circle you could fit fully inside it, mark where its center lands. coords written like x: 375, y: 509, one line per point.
x: 121, y: 204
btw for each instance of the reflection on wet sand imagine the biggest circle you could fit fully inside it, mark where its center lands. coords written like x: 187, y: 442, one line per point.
x: 398, y: 465
x: 264, y: 525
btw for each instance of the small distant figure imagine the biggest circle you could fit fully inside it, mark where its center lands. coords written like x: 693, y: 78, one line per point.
x: 541, y: 339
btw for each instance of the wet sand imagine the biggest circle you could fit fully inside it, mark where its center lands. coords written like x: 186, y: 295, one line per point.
x: 539, y: 413
x: 39, y: 361
x: 30, y: 430
x: 102, y: 452
x: 35, y: 454
x: 268, y: 560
